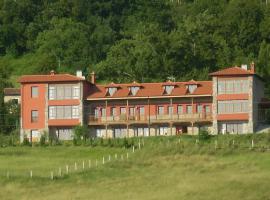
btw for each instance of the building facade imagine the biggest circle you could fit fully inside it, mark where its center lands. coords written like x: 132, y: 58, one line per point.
x: 55, y: 103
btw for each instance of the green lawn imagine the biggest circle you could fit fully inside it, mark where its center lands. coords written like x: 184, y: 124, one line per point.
x: 161, y: 170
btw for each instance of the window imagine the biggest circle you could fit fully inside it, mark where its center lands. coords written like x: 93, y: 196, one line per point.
x: 189, y: 109
x: 113, y: 111
x: 160, y: 110
x: 131, y: 111
x: 52, y: 92
x: 103, y: 112
x: 234, y: 106
x: 67, y: 112
x: 35, y: 135
x: 170, y: 110
x: 34, y: 92
x: 134, y: 90
x: 65, y: 134
x: 207, y: 109
x: 199, y: 108
x: 34, y: 116
x: 180, y: 109
x: 76, y: 92
x: 52, y: 112
x: 75, y: 112
x: 96, y: 112
x: 63, y: 112
x: 232, y: 86
x: 221, y: 87
x: 191, y: 88
x: 112, y: 90
x: 68, y: 92
x: 231, y: 127
x: 163, y: 130
x: 143, y: 132
x: 141, y: 110
x: 120, y: 132
x: 168, y: 89
x: 122, y: 110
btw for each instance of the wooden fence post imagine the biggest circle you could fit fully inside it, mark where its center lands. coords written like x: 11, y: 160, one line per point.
x: 60, y: 171
x: 133, y: 149
x: 31, y: 174
x: 67, y: 169
x: 109, y: 158
x: 51, y: 175
x: 103, y: 160
x: 89, y: 163
x: 216, y: 144
x: 75, y: 166
x: 127, y: 155
x: 122, y: 157
x: 115, y: 156
x: 83, y: 165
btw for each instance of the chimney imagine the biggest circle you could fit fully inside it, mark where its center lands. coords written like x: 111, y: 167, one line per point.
x: 93, y: 78
x: 52, y: 72
x: 244, y: 66
x: 79, y: 74
x: 252, y: 67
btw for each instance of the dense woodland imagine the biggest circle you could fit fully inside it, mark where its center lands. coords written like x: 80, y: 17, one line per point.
x: 126, y: 40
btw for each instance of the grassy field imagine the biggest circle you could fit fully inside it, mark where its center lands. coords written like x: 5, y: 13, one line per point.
x: 162, y: 169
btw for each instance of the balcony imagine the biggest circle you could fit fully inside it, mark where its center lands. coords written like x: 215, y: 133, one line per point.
x: 137, y: 119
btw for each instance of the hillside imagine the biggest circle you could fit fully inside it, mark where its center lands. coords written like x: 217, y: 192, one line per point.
x: 133, y: 40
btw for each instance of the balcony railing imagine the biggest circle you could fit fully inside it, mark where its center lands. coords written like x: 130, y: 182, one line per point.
x: 153, y: 118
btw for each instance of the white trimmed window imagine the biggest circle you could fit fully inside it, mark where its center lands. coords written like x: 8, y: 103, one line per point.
x: 180, y: 109
x: 134, y: 90
x: 112, y: 90
x: 168, y: 89
x: 75, y: 112
x: 189, y: 109
x: 199, y: 108
x: 52, y: 92
x: 170, y: 110
x: 160, y: 110
x: 191, y: 88
x: 52, y: 112
x: 75, y: 92
x: 34, y: 92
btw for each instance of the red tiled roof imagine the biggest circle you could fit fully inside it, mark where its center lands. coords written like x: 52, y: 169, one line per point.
x: 150, y: 89
x: 232, y: 71
x: 12, y: 91
x: 169, y: 83
x: 49, y: 78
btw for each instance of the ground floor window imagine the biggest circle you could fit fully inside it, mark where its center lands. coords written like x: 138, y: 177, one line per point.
x: 119, y: 132
x: 142, y: 131
x: 163, y: 130
x: 231, y: 127
x: 100, y: 133
x: 64, y: 133
x: 35, y: 135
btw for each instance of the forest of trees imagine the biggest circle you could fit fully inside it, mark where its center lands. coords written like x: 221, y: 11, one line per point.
x: 126, y: 40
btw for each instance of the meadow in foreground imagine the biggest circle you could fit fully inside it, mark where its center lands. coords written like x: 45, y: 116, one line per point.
x: 165, y: 168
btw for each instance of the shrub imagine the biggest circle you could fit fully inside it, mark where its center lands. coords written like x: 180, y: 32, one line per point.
x: 80, y: 132
x: 204, y: 135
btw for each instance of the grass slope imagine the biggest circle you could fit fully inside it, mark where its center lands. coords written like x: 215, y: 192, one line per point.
x: 163, y: 169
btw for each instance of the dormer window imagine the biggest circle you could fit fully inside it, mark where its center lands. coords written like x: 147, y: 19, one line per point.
x: 112, y: 90
x: 134, y: 90
x: 168, y: 89
x: 191, y: 88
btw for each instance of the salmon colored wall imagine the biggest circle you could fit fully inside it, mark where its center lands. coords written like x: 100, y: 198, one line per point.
x: 66, y: 102
x: 232, y: 97
x: 63, y: 122
x: 29, y: 104
x: 238, y: 116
